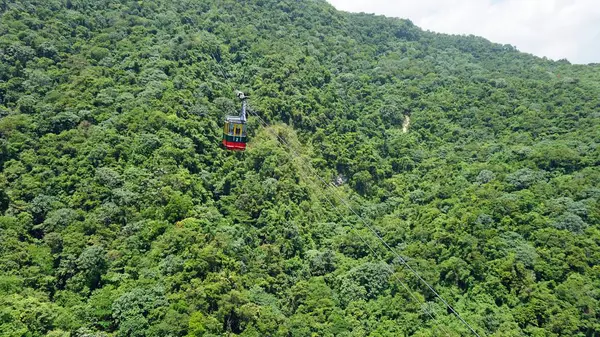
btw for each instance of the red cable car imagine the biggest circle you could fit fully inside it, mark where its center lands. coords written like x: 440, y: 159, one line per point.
x: 234, y: 134
x: 234, y: 131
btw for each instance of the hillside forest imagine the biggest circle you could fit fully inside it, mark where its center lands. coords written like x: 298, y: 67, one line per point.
x: 122, y: 216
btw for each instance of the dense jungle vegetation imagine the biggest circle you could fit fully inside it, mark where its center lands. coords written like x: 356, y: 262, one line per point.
x: 121, y: 215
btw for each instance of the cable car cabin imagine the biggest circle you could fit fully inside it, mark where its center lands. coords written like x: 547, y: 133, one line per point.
x: 234, y: 134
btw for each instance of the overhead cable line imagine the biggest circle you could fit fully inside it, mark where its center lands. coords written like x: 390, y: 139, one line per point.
x: 364, y: 222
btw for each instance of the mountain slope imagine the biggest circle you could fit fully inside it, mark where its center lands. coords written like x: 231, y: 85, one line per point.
x: 121, y: 215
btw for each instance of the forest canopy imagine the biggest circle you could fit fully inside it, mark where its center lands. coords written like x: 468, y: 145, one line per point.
x: 121, y: 215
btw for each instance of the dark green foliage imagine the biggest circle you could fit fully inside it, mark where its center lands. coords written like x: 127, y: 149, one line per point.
x: 121, y: 216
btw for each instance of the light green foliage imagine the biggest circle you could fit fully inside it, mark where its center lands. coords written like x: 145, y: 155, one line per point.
x: 120, y: 215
